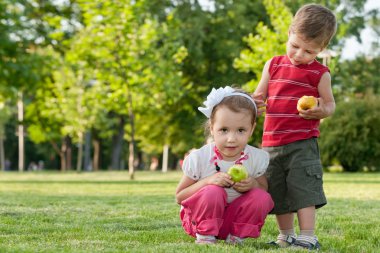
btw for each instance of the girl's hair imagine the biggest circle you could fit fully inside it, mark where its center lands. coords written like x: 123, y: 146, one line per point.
x: 315, y: 23
x: 235, y: 104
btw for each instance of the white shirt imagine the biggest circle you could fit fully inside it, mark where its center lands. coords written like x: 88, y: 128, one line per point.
x: 197, y: 165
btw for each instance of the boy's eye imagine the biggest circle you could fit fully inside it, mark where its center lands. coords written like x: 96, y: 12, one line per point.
x: 241, y: 130
x: 295, y: 46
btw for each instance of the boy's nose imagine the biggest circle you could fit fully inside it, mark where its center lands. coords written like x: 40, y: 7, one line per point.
x: 298, y: 54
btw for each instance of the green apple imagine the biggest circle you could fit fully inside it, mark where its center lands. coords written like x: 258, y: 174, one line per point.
x: 237, y: 172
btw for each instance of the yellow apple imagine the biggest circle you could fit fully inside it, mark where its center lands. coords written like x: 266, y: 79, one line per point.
x: 307, y: 102
x: 237, y: 172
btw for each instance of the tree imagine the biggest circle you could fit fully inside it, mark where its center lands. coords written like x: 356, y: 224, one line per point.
x: 132, y: 58
x: 26, y: 27
x: 351, y: 135
x: 357, y: 77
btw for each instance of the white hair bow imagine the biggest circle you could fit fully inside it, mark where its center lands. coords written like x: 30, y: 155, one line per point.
x: 216, y: 96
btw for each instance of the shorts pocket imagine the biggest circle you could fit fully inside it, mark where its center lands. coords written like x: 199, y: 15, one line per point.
x: 314, y: 171
x: 314, y: 177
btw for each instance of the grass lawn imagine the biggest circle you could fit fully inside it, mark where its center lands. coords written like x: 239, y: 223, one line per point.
x: 106, y: 212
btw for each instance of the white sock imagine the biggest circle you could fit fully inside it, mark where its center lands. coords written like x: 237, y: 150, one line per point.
x: 307, y: 232
x: 205, y: 237
x: 310, y: 239
x: 287, y: 232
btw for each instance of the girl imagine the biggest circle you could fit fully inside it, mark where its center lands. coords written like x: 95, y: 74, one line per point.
x: 212, y: 205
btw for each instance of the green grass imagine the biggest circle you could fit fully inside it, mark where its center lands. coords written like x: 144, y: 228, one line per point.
x: 106, y: 212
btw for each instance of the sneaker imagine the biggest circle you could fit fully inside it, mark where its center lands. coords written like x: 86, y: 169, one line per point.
x: 234, y: 240
x: 284, y: 241
x: 307, y: 242
x: 205, y: 239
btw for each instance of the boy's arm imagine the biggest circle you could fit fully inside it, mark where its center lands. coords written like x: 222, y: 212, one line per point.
x: 260, y: 94
x: 326, y: 102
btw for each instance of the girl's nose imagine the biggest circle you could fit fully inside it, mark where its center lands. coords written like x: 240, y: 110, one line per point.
x: 231, y: 137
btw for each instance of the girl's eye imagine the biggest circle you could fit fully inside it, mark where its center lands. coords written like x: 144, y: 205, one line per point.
x: 224, y: 130
x: 295, y: 46
x: 241, y: 130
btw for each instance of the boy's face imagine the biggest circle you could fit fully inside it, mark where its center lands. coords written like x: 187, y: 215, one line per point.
x: 301, y: 51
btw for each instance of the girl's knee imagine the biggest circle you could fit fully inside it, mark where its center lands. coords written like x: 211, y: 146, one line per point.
x: 261, y: 198
x: 213, y: 192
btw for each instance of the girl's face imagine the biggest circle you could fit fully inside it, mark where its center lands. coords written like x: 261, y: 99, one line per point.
x: 300, y: 51
x: 231, y: 132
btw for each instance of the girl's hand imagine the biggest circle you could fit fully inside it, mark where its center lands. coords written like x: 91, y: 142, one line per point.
x: 221, y: 179
x: 245, y: 185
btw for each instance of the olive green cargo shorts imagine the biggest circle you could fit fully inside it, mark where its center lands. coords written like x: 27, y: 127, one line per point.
x: 295, y: 176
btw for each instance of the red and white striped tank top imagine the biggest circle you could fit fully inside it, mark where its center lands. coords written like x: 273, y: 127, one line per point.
x: 287, y: 84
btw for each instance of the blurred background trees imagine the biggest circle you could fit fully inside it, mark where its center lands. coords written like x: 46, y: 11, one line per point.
x: 108, y: 85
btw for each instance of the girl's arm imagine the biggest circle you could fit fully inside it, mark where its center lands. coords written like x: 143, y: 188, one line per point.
x: 326, y: 100
x: 187, y: 186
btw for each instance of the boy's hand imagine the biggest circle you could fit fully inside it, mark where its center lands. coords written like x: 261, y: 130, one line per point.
x: 321, y: 111
x: 260, y: 103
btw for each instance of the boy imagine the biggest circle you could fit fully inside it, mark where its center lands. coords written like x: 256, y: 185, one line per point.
x: 295, y: 171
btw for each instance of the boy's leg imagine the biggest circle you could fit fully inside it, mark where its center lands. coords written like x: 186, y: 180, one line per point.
x: 277, y: 174
x: 306, y: 220
x: 203, y: 212
x: 245, y: 216
x: 287, y: 235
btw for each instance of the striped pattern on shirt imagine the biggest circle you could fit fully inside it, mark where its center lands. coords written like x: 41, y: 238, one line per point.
x: 287, y: 84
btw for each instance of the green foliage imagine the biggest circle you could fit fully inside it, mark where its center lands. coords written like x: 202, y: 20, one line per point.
x: 357, y: 76
x: 268, y: 42
x: 351, y: 135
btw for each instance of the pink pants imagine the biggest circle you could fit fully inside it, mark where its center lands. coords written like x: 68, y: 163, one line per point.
x: 208, y: 213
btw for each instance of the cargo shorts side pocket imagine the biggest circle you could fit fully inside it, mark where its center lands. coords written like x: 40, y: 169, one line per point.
x: 314, y: 177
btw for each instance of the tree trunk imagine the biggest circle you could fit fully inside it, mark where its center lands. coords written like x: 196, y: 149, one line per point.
x: 80, y: 153
x: 87, y: 152
x: 20, y: 108
x: 2, y: 156
x: 95, y: 159
x: 117, y: 144
x: 165, y: 158
x: 131, y: 161
x: 62, y: 154
x: 68, y: 156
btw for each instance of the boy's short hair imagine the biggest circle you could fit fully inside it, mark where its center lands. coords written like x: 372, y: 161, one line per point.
x: 316, y: 23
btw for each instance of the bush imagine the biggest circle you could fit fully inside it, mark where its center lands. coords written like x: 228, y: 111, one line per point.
x: 352, y: 135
